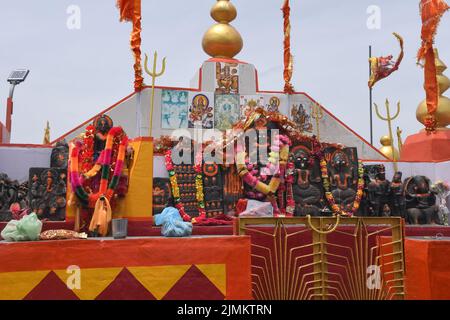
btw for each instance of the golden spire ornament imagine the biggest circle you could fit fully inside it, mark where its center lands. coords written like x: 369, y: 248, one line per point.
x: 222, y: 40
x: 443, y: 109
x: 47, y: 134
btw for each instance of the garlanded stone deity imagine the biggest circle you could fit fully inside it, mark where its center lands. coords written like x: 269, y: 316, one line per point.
x: 102, y: 126
x: 342, y: 179
x: 306, y: 187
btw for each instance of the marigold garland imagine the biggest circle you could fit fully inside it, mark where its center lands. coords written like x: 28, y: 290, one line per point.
x: 290, y: 202
x: 200, y: 196
x: 87, y: 151
x: 107, y: 187
x: 339, y: 210
x: 175, y: 188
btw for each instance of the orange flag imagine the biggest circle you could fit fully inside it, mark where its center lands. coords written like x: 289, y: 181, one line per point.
x: 130, y: 11
x: 431, y: 12
x: 288, y: 59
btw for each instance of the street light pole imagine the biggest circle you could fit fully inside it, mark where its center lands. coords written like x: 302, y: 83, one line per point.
x: 9, y: 107
x: 16, y: 77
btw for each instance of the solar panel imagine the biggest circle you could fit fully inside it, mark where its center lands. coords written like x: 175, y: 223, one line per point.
x: 18, y: 75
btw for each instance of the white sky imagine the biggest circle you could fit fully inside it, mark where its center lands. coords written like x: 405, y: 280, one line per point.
x: 77, y: 73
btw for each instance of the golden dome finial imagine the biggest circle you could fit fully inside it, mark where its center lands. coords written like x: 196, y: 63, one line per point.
x: 387, y: 149
x: 443, y: 110
x: 385, y: 141
x: 222, y: 40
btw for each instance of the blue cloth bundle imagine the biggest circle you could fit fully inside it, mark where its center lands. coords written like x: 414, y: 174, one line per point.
x: 172, y: 223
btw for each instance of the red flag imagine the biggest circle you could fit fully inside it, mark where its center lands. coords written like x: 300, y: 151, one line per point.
x: 130, y: 11
x: 383, y: 67
x: 431, y: 13
x: 126, y: 8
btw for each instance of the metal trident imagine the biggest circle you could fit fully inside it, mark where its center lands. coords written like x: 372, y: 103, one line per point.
x: 154, y: 75
x: 389, y: 120
x: 317, y: 114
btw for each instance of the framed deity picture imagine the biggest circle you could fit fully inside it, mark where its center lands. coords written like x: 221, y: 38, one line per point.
x: 249, y: 104
x: 201, y: 112
x: 174, y: 109
x: 226, y: 110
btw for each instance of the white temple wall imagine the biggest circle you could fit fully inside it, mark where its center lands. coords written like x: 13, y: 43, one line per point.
x: 17, y: 161
x: 172, y: 109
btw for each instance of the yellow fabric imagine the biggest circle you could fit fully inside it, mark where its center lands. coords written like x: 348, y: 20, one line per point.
x: 16, y: 285
x: 102, y: 217
x: 138, y: 201
x: 217, y: 274
x: 159, y: 280
x: 93, y: 281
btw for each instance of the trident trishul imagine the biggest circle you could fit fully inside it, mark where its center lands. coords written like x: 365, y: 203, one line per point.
x: 389, y: 120
x: 154, y: 75
x: 317, y: 114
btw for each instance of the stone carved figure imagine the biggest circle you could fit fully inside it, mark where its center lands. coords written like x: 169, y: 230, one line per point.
x: 60, y: 155
x: 307, y: 194
x: 47, y: 195
x: 342, y: 179
x: 420, y: 201
x: 379, y: 194
x: 9, y: 190
x: 398, y: 203
x: 7, y: 194
x: 102, y: 126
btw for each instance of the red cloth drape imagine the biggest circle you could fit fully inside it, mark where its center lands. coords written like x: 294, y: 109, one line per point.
x: 431, y: 12
x: 131, y: 11
x: 288, y: 59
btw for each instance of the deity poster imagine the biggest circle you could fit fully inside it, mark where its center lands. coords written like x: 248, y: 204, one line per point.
x: 277, y: 103
x: 226, y: 110
x: 227, y: 78
x: 201, y: 112
x: 300, y: 114
x: 249, y: 104
x: 174, y: 109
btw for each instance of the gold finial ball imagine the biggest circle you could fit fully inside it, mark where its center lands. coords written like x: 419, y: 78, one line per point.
x: 224, y: 11
x: 443, y: 109
x: 386, y: 148
x: 222, y: 40
x: 385, y: 141
x: 442, y: 113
